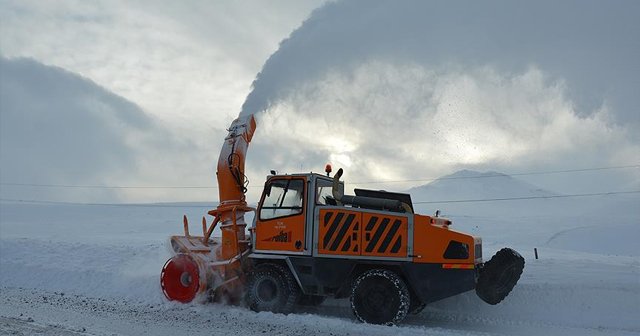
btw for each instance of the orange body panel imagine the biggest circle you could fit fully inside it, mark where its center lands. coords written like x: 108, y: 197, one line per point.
x: 431, y: 238
x: 281, y: 234
x: 384, y: 235
x: 339, y: 232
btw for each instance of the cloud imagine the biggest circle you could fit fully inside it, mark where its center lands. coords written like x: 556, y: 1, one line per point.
x: 387, y: 90
x: 60, y: 128
x: 188, y: 63
x: 591, y: 45
x: 387, y: 121
x: 188, y: 66
x: 419, y: 89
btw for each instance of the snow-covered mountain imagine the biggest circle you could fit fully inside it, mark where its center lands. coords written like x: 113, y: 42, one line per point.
x: 506, y: 210
x: 469, y: 184
x: 497, y: 200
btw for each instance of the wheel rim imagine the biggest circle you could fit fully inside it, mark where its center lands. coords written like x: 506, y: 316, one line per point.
x: 376, y: 297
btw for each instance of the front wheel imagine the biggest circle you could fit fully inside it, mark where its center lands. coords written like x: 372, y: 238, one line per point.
x: 271, y: 287
x: 499, y: 275
x: 380, y: 296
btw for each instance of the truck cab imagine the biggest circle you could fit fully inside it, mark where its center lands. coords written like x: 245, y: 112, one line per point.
x: 287, y: 204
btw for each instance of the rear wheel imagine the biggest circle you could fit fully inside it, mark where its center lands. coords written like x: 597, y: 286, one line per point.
x: 271, y: 287
x: 499, y: 275
x: 380, y: 296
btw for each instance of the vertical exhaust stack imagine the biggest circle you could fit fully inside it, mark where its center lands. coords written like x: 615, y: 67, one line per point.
x: 336, y: 191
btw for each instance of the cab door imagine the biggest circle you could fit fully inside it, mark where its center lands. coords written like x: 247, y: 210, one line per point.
x: 281, y: 215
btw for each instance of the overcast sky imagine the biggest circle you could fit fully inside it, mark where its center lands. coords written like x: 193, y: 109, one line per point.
x: 390, y: 91
x: 188, y: 65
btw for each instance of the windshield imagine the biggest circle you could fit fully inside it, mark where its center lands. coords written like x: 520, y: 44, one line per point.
x: 283, y: 198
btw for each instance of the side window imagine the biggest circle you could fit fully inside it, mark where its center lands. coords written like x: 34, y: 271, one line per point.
x: 324, y: 191
x: 282, y: 198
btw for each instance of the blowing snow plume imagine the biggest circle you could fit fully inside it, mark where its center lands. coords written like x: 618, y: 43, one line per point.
x: 451, y: 85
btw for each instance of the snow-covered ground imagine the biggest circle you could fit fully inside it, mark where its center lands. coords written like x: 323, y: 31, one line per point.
x: 71, y: 269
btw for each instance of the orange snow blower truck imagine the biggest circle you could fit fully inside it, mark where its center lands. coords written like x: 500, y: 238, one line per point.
x: 309, y: 241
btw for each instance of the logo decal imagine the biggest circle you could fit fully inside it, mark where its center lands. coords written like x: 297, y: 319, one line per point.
x: 282, y: 237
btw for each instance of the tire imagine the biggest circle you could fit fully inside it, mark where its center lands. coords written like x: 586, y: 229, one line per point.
x: 499, y: 275
x: 310, y: 300
x: 380, y: 296
x: 271, y: 287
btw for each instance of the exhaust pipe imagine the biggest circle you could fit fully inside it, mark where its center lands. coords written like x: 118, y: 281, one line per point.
x: 365, y: 202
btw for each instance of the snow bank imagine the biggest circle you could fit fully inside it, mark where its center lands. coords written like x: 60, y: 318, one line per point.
x: 562, y: 288
x: 616, y: 239
x: 92, y: 270
x: 93, y: 250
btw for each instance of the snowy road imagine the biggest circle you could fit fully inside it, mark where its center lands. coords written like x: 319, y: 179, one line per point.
x: 32, y: 311
x: 86, y: 270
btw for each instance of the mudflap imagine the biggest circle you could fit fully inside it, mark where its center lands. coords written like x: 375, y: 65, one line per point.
x: 499, y: 275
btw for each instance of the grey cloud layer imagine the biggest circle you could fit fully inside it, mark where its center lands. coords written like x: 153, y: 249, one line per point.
x: 593, y: 45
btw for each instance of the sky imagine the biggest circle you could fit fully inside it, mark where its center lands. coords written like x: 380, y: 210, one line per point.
x: 187, y: 66
x: 389, y: 91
